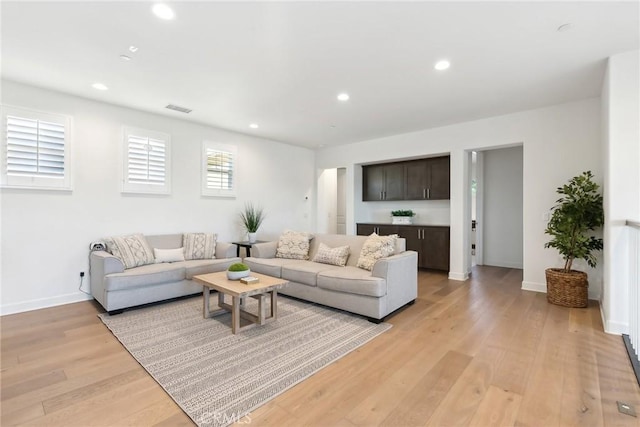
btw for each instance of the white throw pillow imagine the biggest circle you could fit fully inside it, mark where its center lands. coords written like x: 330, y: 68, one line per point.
x: 168, y: 255
x: 293, y: 245
x: 199, y: 246
x: 132, y: 250
x: 333, y: 256
x: 375, y: 248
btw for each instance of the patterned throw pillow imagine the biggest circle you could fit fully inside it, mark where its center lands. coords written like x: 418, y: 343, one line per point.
x: 293, y: 245
x: 334, y: 256
x: 374, y: 248
x: 132, y: 250
x: 199, y: 246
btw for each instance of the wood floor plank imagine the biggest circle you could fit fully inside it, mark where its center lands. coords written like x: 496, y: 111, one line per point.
x: 498, y: 408
x: 479, y: 352
x: 423, y: 399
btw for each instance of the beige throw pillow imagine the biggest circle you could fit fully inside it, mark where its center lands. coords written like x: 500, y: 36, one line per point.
x: 293, y: 245
x: 168, y: 255
x: 133, y: 250
x: 375, y: 248
x: 334, y: 256
x: 199, y: 246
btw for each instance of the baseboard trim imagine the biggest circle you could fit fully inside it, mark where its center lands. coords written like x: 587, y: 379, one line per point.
x: 461, y: 277
x: 37, y: 304
x: 534, y: 286
x: 615, y: 328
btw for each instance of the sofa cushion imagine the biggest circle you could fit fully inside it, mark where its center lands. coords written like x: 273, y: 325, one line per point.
x: 133, y: 250
x: 352, y: 280
x: 146, y: 275
x: 293, y: 245
x: 374, y: 248
x: 206, y: 266
x: 333, y: 256
x: 168, y: 255
x: 269, y: 266
x: 199, y: 246
x: 305, y: 272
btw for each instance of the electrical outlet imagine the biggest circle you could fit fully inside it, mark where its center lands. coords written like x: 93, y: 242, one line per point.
x: 82, y: 274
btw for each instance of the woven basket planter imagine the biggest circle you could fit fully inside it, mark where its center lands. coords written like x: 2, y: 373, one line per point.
x: 567, y: 289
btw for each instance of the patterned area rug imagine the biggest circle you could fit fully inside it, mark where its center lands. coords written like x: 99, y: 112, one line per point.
x: 218, y: 378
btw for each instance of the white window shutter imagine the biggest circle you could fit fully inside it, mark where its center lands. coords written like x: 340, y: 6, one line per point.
x: 36, y: 150
x: 218, y: 170
x: 146, y: 162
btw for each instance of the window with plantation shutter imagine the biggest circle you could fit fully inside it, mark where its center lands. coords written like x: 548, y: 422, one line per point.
x: 218, y: 169
x: 36, y: 150
x: 147, y: 162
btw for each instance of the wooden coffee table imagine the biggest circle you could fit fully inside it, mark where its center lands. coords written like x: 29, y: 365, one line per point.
x: 239, y: 292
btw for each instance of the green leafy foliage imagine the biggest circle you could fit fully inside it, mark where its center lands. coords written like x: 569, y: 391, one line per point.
x: 252, y: 217
x: 407, y: 212
x: 238, y: 266
x: 577, y: 213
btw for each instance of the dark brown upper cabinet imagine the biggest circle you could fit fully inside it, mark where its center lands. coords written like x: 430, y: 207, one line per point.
x: 427, y: 179
x: 383, y: 182
x: 424, y: 179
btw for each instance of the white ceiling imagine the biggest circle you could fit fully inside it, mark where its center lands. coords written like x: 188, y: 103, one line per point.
x: 281, y: 65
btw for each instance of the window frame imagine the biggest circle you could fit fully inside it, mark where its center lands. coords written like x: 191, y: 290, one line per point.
x: 218, y: 192
x: 36, y: 182
x: 145, y: 188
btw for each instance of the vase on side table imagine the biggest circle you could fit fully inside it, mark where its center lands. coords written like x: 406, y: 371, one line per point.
x: 252, y: 237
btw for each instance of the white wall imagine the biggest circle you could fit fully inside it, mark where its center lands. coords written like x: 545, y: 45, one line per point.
x: 327, y: 201
x: 45, y: 234
x: 621, y: 142
x: 558, y: 142
x: 502, y: 226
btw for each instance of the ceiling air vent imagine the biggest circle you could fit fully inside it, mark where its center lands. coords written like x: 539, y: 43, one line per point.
x: 178, y: 108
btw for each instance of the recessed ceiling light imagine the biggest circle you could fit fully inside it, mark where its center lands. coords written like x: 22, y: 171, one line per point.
x: 125, y: 58
x: 564, y: 27
x: 163, y: 11
x: 99, y: 86
x: 133, y: 48
x: 442, y: 65
x: 343, y: 97
x: 253, y: 126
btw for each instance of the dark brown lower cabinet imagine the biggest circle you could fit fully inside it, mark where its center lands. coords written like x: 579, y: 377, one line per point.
x: 431, y: 242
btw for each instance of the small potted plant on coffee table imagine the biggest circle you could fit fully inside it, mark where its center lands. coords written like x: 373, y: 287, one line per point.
x: 237, y: 271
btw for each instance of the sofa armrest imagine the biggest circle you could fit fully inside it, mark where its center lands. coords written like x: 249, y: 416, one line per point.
x: 226, y: 250
x: 103, y: 263
x: 264, y: 250
x: 401, y: 274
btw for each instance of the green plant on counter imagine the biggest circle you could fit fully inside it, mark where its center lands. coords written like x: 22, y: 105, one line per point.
x: 407, y: 212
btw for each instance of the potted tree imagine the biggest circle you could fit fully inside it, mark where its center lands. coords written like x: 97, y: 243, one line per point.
x: 577, y: 213
x: 252, y: 218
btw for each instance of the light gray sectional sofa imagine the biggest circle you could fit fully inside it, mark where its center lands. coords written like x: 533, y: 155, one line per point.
x: 117, y: 288
x: 392, y: 283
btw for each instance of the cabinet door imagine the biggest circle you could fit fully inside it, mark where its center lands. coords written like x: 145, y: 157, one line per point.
x: 413, y: 238
x: 439, y: 178
x: 364, y: 229
x: 416, y: 180
x: 394, y: 182
x: 386, y: 229
x: 373, y: 182
x: 435, y: 248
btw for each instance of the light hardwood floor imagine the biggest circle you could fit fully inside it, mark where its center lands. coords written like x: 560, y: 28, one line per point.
x: 481, y: 353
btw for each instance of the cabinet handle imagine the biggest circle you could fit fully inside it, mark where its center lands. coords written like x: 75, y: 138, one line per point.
x: 419, y: 234
x: 424, y: 193
x: 428, y: 193
x: 423, y: 234
x: 385, y: 195
x: 381, y: 195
